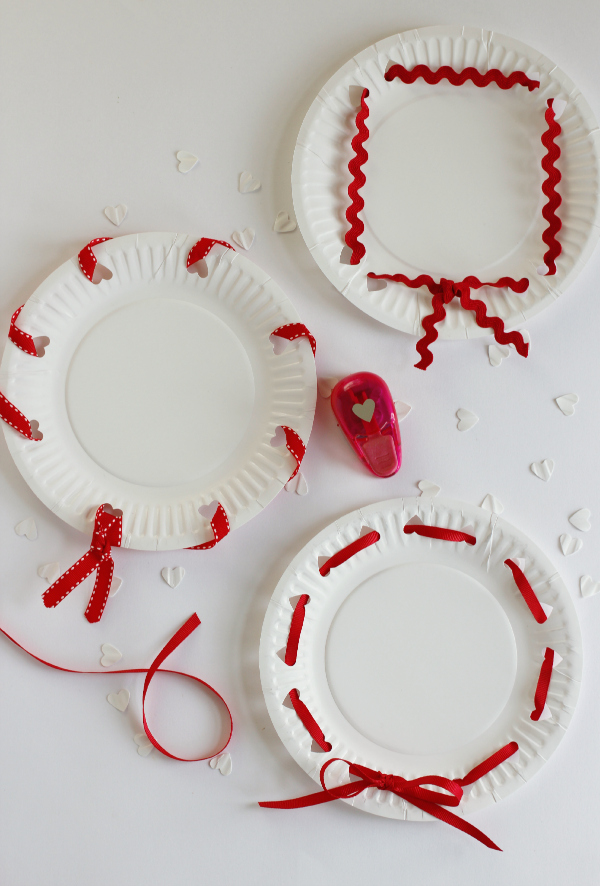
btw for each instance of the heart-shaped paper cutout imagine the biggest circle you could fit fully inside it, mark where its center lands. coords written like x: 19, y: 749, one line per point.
x: 248, y: 183
x: 222, y: 763
x: 466, y: 419
x: 116, y: 214
x: 244, y: 238
x: 49, y: 571
x: 27, y: 528
x: 428, y: 489
x: 588, y: 586
x: 115, y: 586
x: 187, y: 161
x: 375, y: 285
x: 173, y: 575
x: 543, y: 469
x: 283, y: 224
x: 402, y: 409
x: 566, y: 403
x: 110, y: 655
x: 119, y: 700
x: 297, y: 484
x: 570, y: 545
x: 326, y: 385
x: 498, y: 353
x: 144, y: 745
x: 364, y: 410
x: 581, y: 519
x: 491, y: 503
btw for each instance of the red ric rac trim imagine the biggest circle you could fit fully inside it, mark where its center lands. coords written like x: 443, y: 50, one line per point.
x: 15, y: 418
x: 543, y: 684
x: 553, y: 199
x: 220, y: 528
x: 308, y: 721
x: 291, y: 649
x: 350, y: 550
x: 292, y: 331
x: 358, y: 179
x: 87, y: 259
x: 458, y: 78
x: 21, y: 339
x: 176, y: 640
x: 202, y: 247
x: 527, y: 592
x: 439, y: 533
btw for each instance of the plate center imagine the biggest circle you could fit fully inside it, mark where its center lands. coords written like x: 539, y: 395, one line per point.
x: 160, y: 392
x: 453, y: 178
x: 421, y: 658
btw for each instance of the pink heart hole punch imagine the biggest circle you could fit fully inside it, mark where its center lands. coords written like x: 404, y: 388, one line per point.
x: 363, y: 405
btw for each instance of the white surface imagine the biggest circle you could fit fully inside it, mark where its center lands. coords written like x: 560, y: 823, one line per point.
x: 96, y: 100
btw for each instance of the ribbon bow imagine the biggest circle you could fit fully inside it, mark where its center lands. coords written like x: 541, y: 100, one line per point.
x: 107, y: 532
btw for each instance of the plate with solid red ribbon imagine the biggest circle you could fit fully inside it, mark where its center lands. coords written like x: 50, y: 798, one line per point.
x: 142, y: 375
x: 445, y: 181
x: 420, y: 659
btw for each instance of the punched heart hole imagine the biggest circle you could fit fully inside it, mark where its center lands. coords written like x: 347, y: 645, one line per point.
x: 364, y: 410
x: 101, y: 273
x: 374, y: 285
x: 200, y: 268
x: 35, y: 430
x: 41, y: 342
x: 279, y: 344
x: 278, y: 438
x: 208, y: 511
x: 345, y: 255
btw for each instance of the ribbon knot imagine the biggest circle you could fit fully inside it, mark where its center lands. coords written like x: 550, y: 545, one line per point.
x: 449, y: 290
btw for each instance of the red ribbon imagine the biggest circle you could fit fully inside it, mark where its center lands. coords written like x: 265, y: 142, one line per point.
x: 292, y: 331
x: 296, y: 624
x: 358, y: 179
x: 439, y: 532
x: 107, y: 532
x: 411, y: 790
x: 220, y: 528
x: 350, y: 550
x: 295, y: 446
x: 188, y: 628
x: 527, y: 592
x: 202, y: 247
x: 543, y: 684
x: 308, y: 721
x: 21, y: 339
x: 458, y: 78
x: 87, y: 259
x: 554, y: 199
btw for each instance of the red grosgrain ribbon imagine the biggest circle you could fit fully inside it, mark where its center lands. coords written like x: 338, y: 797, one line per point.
x: 553, y: 200
x: 292, y: 331
x: 443, y: 293
x: 308, y: 721
x: 220, y: 527
x: 358, y: 179
x: 439, y: 532
x: 458, y: 78
x: 188, y: 628
x: 21, y: 339
x: 87, y: 259
x: 527, y: 592
x: 15, y: 418
x: 107, y: 532
x: 201, y: 248
x: 411, y: 790
x: 291, y: 649
x: 543, y: 684
x: 350, y: 550
x: 295, y: 446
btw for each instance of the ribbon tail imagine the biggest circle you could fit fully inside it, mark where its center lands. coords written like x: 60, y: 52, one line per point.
x: 437, y: 315
x: 455, y: 821
x: 97, y: 602
x: 69, y: 580
x: 343, y: 792
x: 485, y: 322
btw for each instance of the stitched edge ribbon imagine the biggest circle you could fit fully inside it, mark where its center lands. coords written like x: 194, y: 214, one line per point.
x: 527, y: 592
x: 439, y: 532
x: 359, y: 544
x: 553, y: 199
x: 176, y: 640
x: 413, y: 791
x: 292, y: 331
x: 15, y: 418
x: 21, y: 339
x: 87, y: 259
x: 202, y: 247
x: 107, y: 533
x: 220, y: 528
x: 543, y: 684
x: 295, y: 446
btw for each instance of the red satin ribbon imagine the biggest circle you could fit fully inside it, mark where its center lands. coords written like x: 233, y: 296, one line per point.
x: 291, y: 649
x: 411, y: 790
x: 292, y: 331
x: 87, y: 259
x: 527, y: 592
x: 202, y: 247
x: 553, y: 199
x: 188, y: 628
x: 308, y: 721
x: 358, y: 179
x: 439, y: 532
x: 21, y: 339
x: 543, y: 684
x: 350, y: 550
x: 107, y: 533
x: 220, y: 528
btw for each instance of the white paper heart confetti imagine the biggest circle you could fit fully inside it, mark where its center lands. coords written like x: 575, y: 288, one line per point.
x: 283, y: 223
x: 491, y: 503
x: 119, y: 700
x: 173, y: 576
x: 570, y: 545
x: 326, y: 385
x: 50, y: 571
x: 364, y: 410
x: 110, y: 655
x: 588, y: 586
x: 248, y: 183
x: 402, y: 409
x: 428, y: 489
x: 187, y: 161
x: 543, y: 469
x: 116, y: 214
x: 466, y: 419
x: 27, y: 528
x: 222, y: 763
x: 144, y: 745
x: 566, y: 403
x: 115, y: 586
x: 581, y: 519
x: 498, y: 353
x: 297, y: 484
x: 244, y: 238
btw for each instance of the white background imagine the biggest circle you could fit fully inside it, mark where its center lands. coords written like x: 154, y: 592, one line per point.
x: 95, y: 99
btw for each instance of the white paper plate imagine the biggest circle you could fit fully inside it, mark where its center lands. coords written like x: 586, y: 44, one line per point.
x: 453, y: 179
x: 159, y: 391
x: 419, y: 656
